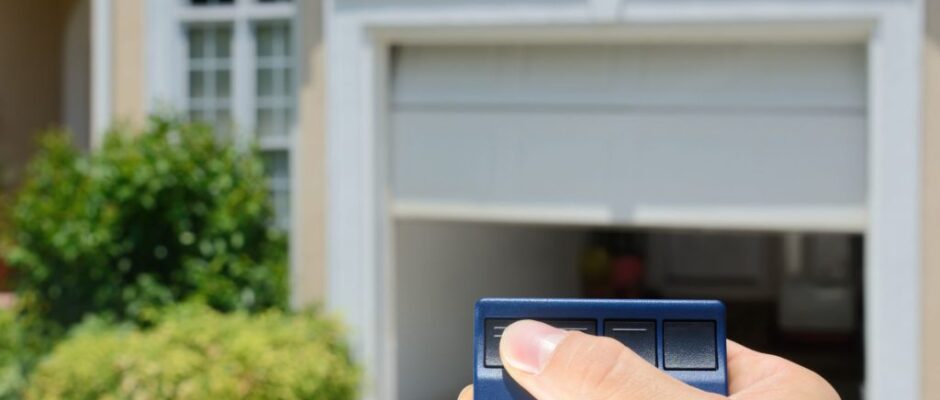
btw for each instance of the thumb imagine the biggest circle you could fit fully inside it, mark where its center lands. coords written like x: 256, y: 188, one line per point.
x: 553, y: 364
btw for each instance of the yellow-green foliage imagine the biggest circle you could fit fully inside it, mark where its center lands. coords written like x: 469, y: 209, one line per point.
x: 197, y: 353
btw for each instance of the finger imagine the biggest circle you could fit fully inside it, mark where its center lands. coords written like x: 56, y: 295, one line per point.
x: 552, y: 364
x: 745, y: 367
x: 755, y: 375
x: 466, y: 393
x: 738, y: 351
x: 735, y: 349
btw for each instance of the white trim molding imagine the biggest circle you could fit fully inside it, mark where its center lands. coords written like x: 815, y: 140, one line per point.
x: 360, y: 269
x: 893, y: 247
x: 163, y: 89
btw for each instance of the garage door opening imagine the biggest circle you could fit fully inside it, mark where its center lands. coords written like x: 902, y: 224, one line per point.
x: 798, y: 295
x: 503, y: 159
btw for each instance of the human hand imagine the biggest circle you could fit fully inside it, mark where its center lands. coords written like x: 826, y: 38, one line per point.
x: 553, y: 364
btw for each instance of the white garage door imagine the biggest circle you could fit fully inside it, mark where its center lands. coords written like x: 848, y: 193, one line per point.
x: 766, y: 136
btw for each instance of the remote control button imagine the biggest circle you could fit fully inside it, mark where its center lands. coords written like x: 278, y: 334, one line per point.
x: 639, y: 336
x: 493, y: 331
x: 689, y: 345
x: 582, y: 325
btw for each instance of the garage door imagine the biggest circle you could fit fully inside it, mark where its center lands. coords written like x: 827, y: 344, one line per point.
x: 766, y: 136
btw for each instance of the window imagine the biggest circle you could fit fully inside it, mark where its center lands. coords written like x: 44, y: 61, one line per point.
x: 274, y: 87
x: 209, y: 88
x: 239, y: 74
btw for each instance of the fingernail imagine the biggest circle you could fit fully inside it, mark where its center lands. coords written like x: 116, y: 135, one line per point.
x: 528, y: 345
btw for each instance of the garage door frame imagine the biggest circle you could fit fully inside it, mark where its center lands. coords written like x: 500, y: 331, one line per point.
x: 360, y: 243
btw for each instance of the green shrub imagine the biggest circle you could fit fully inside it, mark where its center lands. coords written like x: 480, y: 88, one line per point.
x: 13, y: 360
x: 197, y: 353
x: 23, y: 340
x: 5, y: 227
x: 150, y: 219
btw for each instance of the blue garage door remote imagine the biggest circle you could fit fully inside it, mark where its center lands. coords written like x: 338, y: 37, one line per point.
x: 684, y: 338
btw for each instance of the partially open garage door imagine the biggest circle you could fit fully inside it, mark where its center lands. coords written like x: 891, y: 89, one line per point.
x: 728, y: 136
x: 766, y: 137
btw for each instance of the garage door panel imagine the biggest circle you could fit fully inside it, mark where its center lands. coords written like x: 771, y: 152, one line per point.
x: 750, y: 135
x: 713, y: 76
x: 623, y: 159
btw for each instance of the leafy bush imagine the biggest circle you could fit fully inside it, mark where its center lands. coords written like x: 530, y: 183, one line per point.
x: 22, y: 342
x: 197, y: 353
x: 5, y: 224
x: 150, y: 219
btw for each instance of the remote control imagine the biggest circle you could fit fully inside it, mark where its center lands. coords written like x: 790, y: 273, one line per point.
x: 683, y: 338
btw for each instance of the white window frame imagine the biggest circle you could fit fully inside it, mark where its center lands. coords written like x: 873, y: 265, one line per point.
x: 167, y: 58
x: 360, y: 265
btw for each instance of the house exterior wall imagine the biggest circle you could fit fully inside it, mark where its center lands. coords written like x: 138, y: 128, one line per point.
x: 127, y: 62
x: 308, y: 243
x: 31, y: 83
x: 931, y: 203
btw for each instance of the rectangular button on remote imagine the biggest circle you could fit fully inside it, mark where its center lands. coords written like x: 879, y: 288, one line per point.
x: 639, y: 336
x: 495, y: 328
x: 689, y: 345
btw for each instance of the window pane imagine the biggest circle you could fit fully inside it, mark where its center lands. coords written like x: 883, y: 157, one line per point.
x: 223, y: 42
x: 288, y: 119
x: 265, y: 82
x: 265, y: 38
x: 280, y: 122
x: 287, y: 43
x: 273, y: 79
x: 274, y: 106
x: 273, y: 39
x: 223, y: 123
x: 288, y: 79
x: 276, y: 164
x: 281, y: 203
x: 197, y: 39
x: 266, y: 122
x: 268, y: 82
x: 197, y: 84
x: 209, y: 42
x: 210, y: 75
x: 277, y: 168
x: 223, y: 83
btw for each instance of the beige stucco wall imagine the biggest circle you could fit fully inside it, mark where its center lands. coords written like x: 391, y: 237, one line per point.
x: 31, y: 44
x: 308, y: 241
x: 931, y: 204
x: 127, y: 62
